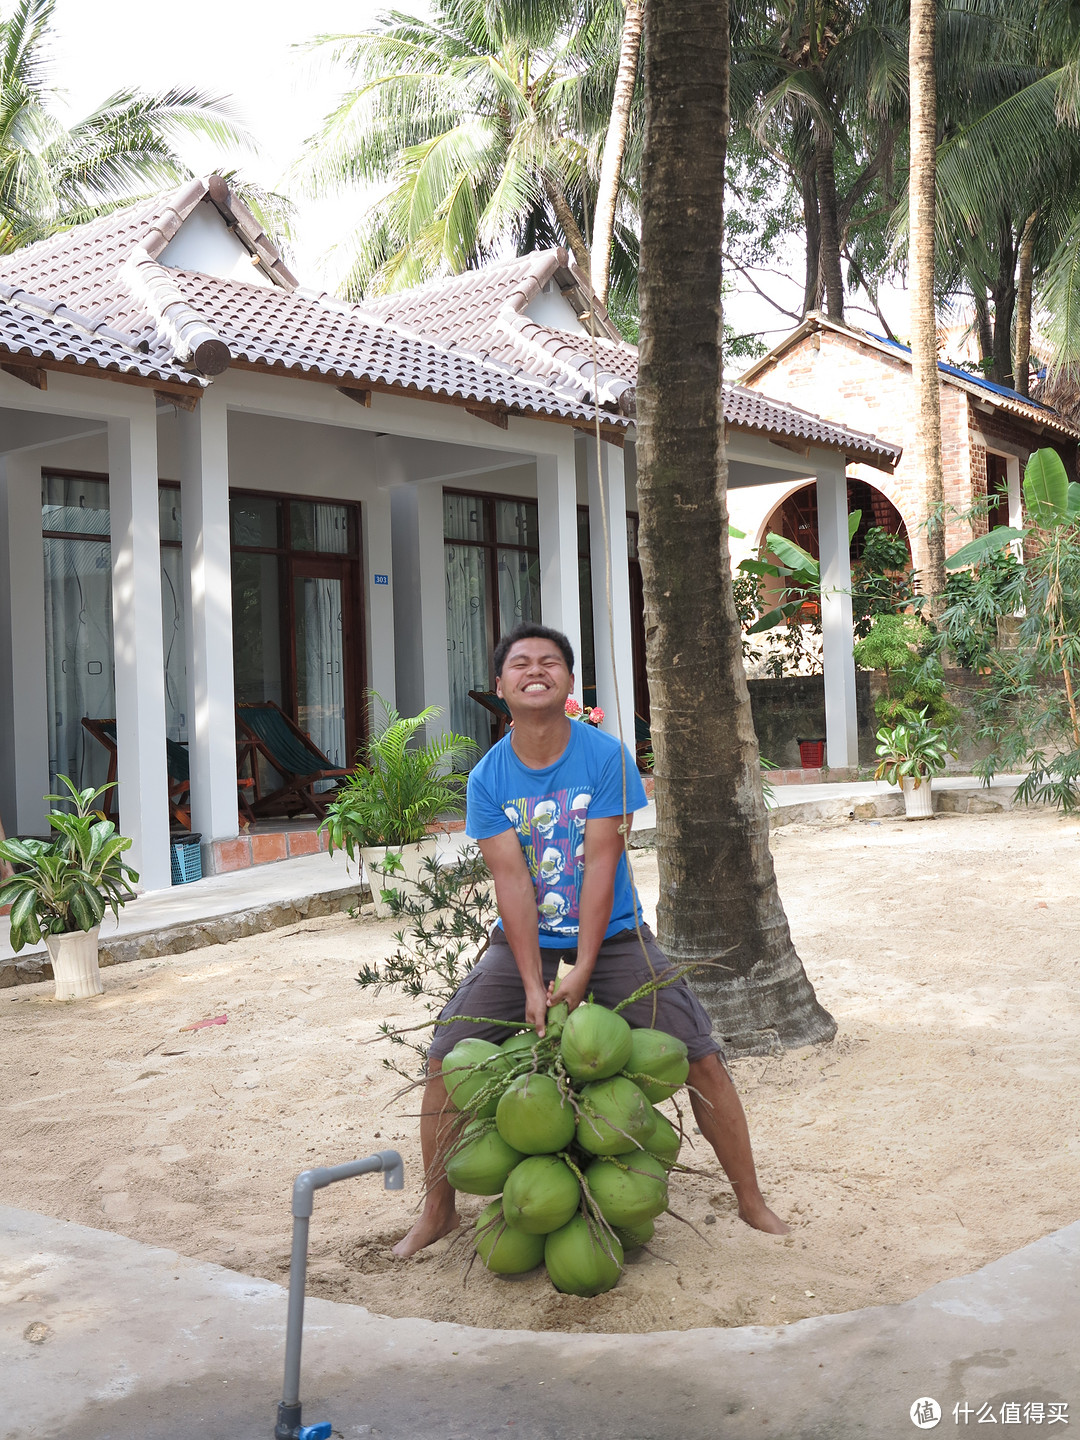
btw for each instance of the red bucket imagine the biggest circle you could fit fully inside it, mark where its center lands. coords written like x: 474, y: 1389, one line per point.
x: 812, y: 754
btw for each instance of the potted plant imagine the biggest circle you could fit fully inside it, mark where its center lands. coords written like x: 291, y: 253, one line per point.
x: 62, y: 887
x: 398, y: 789
x: 911, y: 753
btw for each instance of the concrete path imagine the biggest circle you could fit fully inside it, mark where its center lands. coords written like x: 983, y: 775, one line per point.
x: 265, y: 897
x: 102, y: 1338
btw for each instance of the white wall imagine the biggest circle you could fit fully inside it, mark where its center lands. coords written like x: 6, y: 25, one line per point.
x: 205, y: 243
x: 551, y: 308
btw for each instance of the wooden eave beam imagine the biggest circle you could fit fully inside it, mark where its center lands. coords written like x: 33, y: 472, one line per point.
x: 491, y: 413
x: 352, y: 392
x: 32, y: 375
x: 172, y: 390
x: 182, y: 399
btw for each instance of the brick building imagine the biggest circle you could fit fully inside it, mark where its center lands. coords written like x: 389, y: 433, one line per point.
x: 987, y: 431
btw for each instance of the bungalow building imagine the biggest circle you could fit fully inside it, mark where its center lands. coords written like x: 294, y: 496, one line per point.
x: 987, y: 431
x: 218, y: 486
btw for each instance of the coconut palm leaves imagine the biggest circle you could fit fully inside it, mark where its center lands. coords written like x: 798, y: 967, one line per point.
x: 483, y: 127
x: 53, y: 176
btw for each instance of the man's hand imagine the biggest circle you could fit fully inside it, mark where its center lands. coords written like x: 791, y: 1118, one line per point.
x: 573, y: 989
x: 536, y: 1008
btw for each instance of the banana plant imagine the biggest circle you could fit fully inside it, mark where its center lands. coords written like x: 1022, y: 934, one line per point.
x: 797, y: 569
x: 1051, y: 500
x: 67, y: 883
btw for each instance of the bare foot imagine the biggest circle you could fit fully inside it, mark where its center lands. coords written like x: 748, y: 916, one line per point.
x: 426, y: 1231
x: 758, y: 1216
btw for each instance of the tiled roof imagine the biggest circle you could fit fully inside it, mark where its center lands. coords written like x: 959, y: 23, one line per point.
x: 467, y: 339
x: 314, y: 334
x: 485, y: 311
x: 33, y: 330
x: 750, y: 410
x: 1035, y: 412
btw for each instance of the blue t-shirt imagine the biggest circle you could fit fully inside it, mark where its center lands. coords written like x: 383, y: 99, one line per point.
x: 548, y: 809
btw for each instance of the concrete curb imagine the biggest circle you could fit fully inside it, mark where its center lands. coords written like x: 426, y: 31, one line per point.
x: 192, y: 935
x: 103, y: 1338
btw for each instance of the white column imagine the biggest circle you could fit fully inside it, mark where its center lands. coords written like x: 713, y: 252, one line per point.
x: 137, y: 647
x: 556, y: 500
x: 204, y: 498
x: 379, y: 595
x: 24, y: 731
x: 841, y: 721
x: 421, y: 668
x: 613, y: 481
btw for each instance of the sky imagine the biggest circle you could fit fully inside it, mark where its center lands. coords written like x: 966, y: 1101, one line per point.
x: 252, y: 51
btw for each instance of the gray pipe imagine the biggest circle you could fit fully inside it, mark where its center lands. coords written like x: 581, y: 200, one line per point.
x: 303, y: 1202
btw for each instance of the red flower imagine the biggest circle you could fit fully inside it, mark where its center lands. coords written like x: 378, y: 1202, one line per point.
x: 595, y: 716
x: 573, y: 709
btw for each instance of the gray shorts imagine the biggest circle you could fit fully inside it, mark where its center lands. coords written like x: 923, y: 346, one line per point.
x: 492, y: 990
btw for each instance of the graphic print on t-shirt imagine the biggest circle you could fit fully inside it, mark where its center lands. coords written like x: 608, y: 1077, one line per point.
x: 551, y: 829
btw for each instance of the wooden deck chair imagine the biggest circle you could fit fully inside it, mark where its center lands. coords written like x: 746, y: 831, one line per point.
x: 177, y: 764
x: 497, y: 708
x: 296, y: 758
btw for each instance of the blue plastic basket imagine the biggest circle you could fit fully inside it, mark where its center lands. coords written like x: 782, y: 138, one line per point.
x: 186, y: 861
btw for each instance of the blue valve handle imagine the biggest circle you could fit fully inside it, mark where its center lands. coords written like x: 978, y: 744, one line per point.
x: 322, y: 1431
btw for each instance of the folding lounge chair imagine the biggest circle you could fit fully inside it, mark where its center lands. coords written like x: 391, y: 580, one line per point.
x: 177, y: 764
x: 496, y: 707
x: 300, y: 763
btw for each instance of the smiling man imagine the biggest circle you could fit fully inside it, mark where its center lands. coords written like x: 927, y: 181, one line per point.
x: 547, y: 806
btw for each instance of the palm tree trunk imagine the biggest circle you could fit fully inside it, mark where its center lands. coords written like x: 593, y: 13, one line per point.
x: 615, y: 147
x: 569, y: 226
x: 719, y: 903
x: 812, y: 226
x: 921, y: 183
x: 830, y: 228
x: 983, y: 330
x: 1024, y: 287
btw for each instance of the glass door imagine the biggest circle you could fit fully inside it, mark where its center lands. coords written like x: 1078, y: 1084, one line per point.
x: 321, y: 665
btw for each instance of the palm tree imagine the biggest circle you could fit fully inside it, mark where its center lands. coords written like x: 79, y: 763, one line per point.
x: 719, y: 903
x: 921, y: 181
x: 53, y: 176
x: 483, y: 127
x: 615, y: 146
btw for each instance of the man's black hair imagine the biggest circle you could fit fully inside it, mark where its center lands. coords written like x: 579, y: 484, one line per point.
x: 528, y: 631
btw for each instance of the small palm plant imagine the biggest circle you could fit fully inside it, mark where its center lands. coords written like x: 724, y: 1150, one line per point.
x: 400, y: 787
x: 66, y: 884
x: 912, y: 749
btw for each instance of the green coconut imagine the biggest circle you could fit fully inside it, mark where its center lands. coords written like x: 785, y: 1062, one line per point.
x: 533, y: 1117
x: 595, y: 1043
x: 469, y: 1075
x: 581, y: 1259
x: 481, y: 1161
x: 632, y: 1237
x: 503, y: 1250
x: 665, y: 1141
x: 615, y: 1117
x: 540, y: 1195
x: 658, y: 1063
x: 630, y: 1191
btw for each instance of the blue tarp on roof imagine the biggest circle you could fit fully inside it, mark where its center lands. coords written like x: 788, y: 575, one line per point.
x: 978, y: 380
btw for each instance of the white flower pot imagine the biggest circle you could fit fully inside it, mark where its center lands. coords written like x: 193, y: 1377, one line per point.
x: 74, y: 957
x: 918, y: 798
x: 413, y: 860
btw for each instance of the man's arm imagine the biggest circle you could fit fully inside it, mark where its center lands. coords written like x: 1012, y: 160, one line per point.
x: 516, y: 899
x: 603, y: 849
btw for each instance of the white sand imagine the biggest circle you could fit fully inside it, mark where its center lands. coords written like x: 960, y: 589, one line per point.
x: 939, y: 1131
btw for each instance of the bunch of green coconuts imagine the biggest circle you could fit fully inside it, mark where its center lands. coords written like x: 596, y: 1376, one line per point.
x: 564, y: 1131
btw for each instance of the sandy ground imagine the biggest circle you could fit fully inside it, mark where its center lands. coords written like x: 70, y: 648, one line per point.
x: 940, y: 1130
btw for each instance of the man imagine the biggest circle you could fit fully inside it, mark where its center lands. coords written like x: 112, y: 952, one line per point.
x: 547, y: 806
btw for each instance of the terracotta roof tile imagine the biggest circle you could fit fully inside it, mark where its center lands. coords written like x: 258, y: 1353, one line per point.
x: 36, y: 329
x: 750, y: 410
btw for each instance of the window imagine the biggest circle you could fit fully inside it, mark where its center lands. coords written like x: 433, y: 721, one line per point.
x: 78, y: 619
x: 492, y: 552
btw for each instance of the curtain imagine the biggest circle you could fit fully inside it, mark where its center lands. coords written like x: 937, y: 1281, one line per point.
x: 467, y: 639
x: 320, y: 665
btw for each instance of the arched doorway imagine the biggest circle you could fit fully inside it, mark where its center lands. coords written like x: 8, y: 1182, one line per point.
x: 796, y: 517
